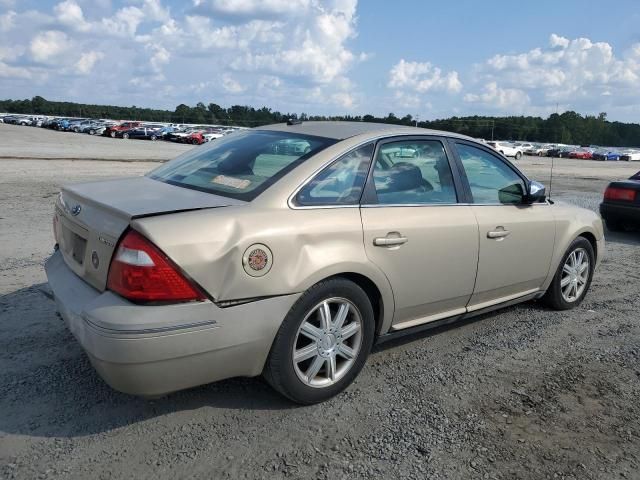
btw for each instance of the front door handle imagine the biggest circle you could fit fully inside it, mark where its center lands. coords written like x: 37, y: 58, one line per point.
x: 389, y: 241
x: 498, y: 234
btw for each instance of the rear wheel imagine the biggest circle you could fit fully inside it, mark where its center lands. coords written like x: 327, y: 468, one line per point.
x: 113, y: 134
x: 322, y: 343
x: 518, y: 155
x: 195, y: 141
x: 125, y: 136
x: 573, y: 277
x: 153, y: 138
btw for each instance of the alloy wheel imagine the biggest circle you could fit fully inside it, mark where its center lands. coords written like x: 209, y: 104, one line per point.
x: 327, y: 342
x: 575, y: 274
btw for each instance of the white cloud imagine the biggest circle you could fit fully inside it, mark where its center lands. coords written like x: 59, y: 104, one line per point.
x: 573, y: 72
x: 47, y: 46
x: 231, y: 85
x: 500, y: 98
x: 251, y: 8
x: 7, y: 21
x: 423, y: 77
x: 87, y: 61
x: 70, y: 14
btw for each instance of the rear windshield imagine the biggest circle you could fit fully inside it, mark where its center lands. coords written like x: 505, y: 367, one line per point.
x: 241, y: 165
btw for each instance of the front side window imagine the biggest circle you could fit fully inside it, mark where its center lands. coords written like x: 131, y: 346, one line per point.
x: 341, y: 182
x: 241, y: 165
x: 413, y: 172
x: 491, y: 180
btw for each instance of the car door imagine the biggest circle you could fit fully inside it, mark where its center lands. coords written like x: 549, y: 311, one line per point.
x: 516, y: 239
x: 417, y: 232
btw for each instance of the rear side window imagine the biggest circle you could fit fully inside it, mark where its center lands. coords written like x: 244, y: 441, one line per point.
x: 341, y: 183
x: 241, y: 165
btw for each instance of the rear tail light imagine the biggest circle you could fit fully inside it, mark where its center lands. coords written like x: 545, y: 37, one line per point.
x: 141, y: 272
x: 620, y: 194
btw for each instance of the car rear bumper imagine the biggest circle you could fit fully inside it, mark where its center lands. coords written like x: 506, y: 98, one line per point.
x: 154, y: 350
x: 620, y: 213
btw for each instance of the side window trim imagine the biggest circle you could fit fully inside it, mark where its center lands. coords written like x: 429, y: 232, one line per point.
x: 463, y: 175
x: 370, y: 197
x: 293, y: 199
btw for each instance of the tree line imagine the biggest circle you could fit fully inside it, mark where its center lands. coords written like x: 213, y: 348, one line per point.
x: 568, y: 127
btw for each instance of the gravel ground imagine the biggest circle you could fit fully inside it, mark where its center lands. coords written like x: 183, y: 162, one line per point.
x: 521, y: 393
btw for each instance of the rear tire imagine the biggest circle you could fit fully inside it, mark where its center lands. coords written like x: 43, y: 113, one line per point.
x: 561, y: 295
x: 125, y: 136
x: 113, y: 134
x: 518, y: 155
x: 325, y: 370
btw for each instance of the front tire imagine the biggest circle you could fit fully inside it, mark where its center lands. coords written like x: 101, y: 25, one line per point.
x: 573, y: 277
x: 323, y: 342
x: 518, y: 155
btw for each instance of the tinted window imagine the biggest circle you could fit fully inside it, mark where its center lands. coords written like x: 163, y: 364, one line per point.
x: 341, y: 182
x: 491, y: 180
x: 241, y: 165
x: 413, y: 172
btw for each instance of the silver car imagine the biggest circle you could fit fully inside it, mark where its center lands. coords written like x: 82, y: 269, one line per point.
x: 249, y: 257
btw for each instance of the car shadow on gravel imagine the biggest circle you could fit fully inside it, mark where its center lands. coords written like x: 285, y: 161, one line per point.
x: 49, y: 388
x: 625, y: 238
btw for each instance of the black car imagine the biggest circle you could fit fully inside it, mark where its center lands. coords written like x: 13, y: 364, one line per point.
x: 142, y: 132
x: 620, y: 208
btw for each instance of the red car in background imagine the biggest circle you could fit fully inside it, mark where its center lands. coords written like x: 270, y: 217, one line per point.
x: 582, y: 154
x: 121, y: 127
x: 194, y: 138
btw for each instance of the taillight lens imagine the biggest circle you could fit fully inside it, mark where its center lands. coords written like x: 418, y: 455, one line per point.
x: 140, y: 272
x: 620, y: 194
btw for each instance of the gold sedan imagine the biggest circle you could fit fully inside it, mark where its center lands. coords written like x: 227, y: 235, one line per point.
x: 288, y: 250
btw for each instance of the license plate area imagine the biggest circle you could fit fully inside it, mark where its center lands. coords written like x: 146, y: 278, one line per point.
x: 73, y: 244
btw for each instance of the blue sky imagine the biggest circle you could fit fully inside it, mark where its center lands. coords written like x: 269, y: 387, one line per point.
x: 430, y: 59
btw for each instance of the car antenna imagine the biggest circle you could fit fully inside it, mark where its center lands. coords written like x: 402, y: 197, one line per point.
x: 551, y: 178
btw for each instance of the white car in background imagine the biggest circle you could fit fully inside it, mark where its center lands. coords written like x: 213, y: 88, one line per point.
x: 507, y: 149
x: 630, y: 155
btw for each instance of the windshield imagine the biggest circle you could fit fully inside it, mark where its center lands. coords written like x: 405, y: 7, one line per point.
x: 241, y: 165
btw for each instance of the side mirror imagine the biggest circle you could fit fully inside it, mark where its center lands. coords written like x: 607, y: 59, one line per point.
x: 536, y: 193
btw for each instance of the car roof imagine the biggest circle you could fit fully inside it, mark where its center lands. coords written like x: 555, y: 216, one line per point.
x: 342, y: 130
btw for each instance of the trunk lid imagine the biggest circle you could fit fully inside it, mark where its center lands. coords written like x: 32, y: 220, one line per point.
x: 90, y: 218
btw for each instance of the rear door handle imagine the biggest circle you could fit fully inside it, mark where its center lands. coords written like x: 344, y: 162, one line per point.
x: 498, y: 234
x: 389, y: 241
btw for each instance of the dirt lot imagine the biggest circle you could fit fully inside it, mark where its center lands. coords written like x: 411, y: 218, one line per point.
x: 521, y: 393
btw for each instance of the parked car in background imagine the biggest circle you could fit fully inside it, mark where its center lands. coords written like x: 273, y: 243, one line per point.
x: 630, y: 155
x: 227, y: 262
x: 113, y: 130
x: 620, y: 207
x: 145, y: 133
x: 606, y: 155
x: 507, y: 149
x: 538, y: 150
x: 581, y: 153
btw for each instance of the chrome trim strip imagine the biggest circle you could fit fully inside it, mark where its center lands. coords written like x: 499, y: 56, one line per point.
x: 144, y: 331
x: 381, y: 205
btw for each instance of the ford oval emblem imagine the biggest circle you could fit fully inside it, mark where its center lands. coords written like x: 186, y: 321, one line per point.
x: 75, y: 210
